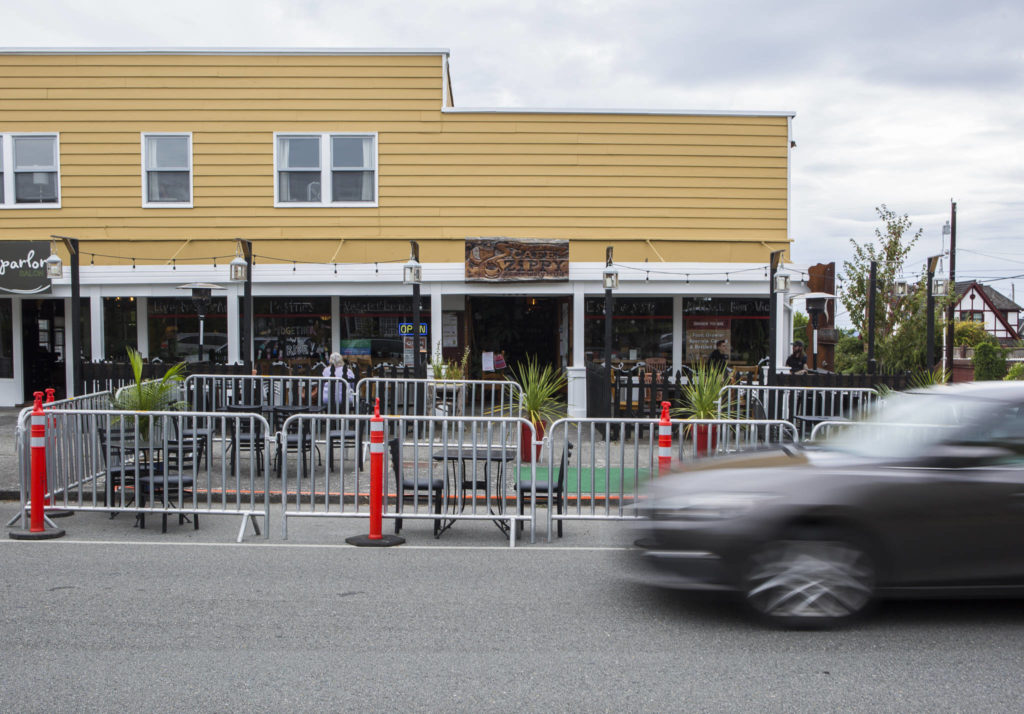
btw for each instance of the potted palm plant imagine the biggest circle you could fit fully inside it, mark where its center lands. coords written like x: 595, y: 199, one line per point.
x: 149, y: 395
x: 541, y: 401
x: 700, y: 400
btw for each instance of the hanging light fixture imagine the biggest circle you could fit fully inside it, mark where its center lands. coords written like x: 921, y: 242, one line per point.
x: 54, y: 266
x: 237, y: 267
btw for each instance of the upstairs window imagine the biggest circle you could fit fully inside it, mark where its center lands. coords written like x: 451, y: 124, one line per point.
x: 325, y: 169
x: 167, y: 170
x: 29, y: 171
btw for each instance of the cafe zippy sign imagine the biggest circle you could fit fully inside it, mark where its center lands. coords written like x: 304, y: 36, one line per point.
x: 23, y: 267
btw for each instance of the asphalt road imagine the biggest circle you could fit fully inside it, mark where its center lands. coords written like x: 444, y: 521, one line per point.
x: 115, y: 618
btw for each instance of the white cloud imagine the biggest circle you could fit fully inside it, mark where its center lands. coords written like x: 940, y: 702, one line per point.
x: 904, y: 102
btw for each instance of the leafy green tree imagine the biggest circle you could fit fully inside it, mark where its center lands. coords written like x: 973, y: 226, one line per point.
x: 800, y: 321
x: 971, y: 334
x: 851, y: 357
x: 989, y: 362
x: 906, y: 348
x: 889, y: 250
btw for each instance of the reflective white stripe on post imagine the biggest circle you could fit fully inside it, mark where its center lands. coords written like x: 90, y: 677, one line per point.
x: 376, y: 447
x: 37, y: 442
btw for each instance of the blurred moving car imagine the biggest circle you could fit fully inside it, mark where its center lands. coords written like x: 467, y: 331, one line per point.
x: 924, y: 498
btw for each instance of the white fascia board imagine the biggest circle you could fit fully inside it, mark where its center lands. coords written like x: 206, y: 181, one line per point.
x: 219, y: 51
x: 652, y: 112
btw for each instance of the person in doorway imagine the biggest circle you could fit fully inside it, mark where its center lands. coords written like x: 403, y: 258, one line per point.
x: 719, y: 357
x: 797, y: 362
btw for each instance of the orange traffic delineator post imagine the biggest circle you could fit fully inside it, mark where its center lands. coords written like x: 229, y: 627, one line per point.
x: 664, y: 441
x: 376, y: 537
x: 51, y: 423
x: 37, y: 527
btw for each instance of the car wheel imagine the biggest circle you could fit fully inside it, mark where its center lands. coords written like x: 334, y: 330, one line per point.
x: 813, y: 580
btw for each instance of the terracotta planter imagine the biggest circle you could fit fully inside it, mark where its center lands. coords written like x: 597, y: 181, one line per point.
x: 529, y: 450
x: 705, y: 437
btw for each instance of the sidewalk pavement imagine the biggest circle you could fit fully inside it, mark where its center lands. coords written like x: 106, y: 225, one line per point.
x: 9, y: 490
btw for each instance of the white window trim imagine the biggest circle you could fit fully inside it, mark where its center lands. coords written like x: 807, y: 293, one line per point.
x: 8, y: 171
x: 325, y: 171
x: 191, y: 182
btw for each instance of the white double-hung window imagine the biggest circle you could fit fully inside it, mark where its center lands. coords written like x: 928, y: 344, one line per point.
x: 325, y: 169
x: 166, y: 170
x: 29, y: 171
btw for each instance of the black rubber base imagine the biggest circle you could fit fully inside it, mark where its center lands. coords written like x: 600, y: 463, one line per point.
x: 385, y: 541
x: 20, y: 534
x: 58, y: 513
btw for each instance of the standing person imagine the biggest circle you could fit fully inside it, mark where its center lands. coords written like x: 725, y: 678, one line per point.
x: 336, y: 370
x: 719, y: 357
x: 797, y: 362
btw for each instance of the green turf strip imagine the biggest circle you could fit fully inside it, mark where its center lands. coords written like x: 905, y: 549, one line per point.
x: 593, y: 480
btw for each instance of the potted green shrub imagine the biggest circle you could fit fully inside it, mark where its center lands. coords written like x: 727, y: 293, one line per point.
x: 448, y: 399
x: 542, y: 402
x: 700, y: 400
x: 152, y: 395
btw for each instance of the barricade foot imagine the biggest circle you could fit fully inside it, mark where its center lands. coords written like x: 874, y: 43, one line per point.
x: 21, y: 534
x: 58, y: 513
x: 365, y: 541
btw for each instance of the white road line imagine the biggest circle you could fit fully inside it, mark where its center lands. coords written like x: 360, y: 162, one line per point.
x: 343, y: 546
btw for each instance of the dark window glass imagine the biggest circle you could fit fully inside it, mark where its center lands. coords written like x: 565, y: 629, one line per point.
x: 6, y: 339
x: 174, y: 330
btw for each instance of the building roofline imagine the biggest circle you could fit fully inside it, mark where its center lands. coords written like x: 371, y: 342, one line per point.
x: 218, y: 51
x: 369, y: 51
x: 653, y: 112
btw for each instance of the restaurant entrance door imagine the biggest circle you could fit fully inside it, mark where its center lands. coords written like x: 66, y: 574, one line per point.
x: 42, y: 339
x: 518, y: 327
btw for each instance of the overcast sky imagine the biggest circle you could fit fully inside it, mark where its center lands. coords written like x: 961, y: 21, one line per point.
x: 907, y: 103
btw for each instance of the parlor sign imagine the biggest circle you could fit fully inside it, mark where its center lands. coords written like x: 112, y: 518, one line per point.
x: 506, y: 259
x: 23, y: 267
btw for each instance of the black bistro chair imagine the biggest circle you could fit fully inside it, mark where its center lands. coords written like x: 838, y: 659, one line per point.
x: 557, y: 489
x: 246, y: 434
x: 346, y: 432
x: 299, y: 438
x: 433, y: 487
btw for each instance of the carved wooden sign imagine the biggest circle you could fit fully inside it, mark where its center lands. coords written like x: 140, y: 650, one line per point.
x: 506, y: 259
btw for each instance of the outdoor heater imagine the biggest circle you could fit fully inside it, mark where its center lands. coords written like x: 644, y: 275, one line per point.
x: 202, y: 296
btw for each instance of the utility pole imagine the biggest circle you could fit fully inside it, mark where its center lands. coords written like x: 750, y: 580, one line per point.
x: 952, y: 286
x: 872, y: 289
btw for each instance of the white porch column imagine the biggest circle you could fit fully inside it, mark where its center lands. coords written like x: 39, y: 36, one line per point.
x: 436, y: 321
x: 96, y: 327
x: 234, y: 334
x: 335, y: 323
x: 576, y: 374
x: 677, y: 333
x: 783, y: 331
x: 142, y: 325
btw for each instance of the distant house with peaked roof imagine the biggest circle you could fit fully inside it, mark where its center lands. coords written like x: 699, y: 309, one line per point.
x: 980, y: 303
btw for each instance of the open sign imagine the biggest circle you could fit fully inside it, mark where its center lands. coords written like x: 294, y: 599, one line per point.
x: 405, y: 328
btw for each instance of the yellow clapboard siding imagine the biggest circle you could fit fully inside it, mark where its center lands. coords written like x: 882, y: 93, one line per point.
x: 426, y: 149
x: 258, y: 107
x: 715, y: 184
x: 226, y: 95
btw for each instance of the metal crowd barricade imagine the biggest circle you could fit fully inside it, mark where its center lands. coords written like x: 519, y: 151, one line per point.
x: 801, y: 406
x: 441, y: 397
x: 156, y: 462
x: 601, y: 479
x: 95, y: 400
x: 216, y: 392
x: 454, y: 468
